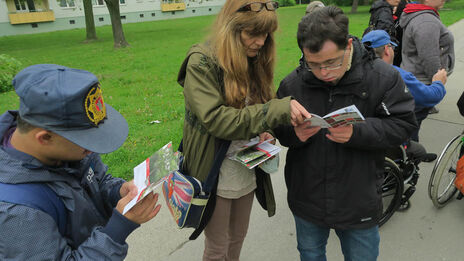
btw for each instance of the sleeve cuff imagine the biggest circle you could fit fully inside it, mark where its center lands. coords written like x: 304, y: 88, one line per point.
x: 119, y: 227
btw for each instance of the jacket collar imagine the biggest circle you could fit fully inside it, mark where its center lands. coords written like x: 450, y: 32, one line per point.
x: 412, y: 8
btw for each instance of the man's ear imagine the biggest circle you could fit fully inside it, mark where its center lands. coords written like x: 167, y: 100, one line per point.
x: 44, y: 137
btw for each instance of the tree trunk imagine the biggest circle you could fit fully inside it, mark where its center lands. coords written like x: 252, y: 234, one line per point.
x: 89, y: 21
x: 366, y: 2
x: 116, y: 25
x: 354, y: 7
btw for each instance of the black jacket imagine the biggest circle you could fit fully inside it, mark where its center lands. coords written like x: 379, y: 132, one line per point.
x: 461, y: 104
x: 381, y: 16
x: 339, y: 185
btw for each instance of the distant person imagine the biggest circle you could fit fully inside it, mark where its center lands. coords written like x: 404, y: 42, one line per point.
x: 424, y: 95
x: 427, y: 45
x: 334, y: 175
x: 57, y: 201
x: 385, y: 15
x: 229, y: 95
x: 314, y: 5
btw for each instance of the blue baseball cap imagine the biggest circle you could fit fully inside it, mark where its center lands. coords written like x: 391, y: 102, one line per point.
x: 377, y: 38
x: 69, y: 102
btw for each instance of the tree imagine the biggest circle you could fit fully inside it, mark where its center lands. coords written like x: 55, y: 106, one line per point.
x: 89, y: 21
x: 354, y: 7
x: 116, y: 25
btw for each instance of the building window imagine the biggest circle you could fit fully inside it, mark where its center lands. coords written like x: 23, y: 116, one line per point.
x: 193, y: 11
x: 153, y: 14
x: 98, y: 2
x: 100, y: 19
x: 173, y: 12
x: 34, y: 25
x: 141, y: 15
x: 24, y: 5
x: 123, y: 17
x: 67, y: 3
x: 122, y: 2
x: 209, y: 10
x: 72, y: 21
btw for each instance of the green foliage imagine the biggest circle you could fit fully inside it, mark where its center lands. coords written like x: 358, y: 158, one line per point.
x: 339, y: 2
x: 283, y: 3
x: 140, y: 81
x: 9, y: 66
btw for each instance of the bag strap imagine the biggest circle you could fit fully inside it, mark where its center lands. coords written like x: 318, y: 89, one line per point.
x: 210, y: 185
x: 220, y: 154
x: 38, y: 196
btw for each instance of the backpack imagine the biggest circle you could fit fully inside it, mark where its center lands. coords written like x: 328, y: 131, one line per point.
x: 459, y: 181
x: 38, y: 196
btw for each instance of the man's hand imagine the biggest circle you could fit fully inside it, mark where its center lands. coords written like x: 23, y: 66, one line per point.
x: 266, y: 136
x: 143, y: 211
x: 440, y: 76
x: 340, y: 134
x: 305, y: 131
x: 298, y: 113
x: 127, y: 187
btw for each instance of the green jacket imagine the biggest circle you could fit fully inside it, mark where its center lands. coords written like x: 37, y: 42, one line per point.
x: 207, y: 118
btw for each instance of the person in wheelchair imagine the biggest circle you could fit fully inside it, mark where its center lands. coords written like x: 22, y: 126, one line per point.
x: 424, y: 95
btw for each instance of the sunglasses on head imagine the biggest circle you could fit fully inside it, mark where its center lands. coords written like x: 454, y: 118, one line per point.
x: 258, y: 6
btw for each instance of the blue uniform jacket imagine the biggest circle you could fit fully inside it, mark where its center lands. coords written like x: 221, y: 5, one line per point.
x: 425, y: 96
x: 94, y: 231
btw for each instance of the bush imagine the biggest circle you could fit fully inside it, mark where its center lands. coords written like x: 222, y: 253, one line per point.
x: 287, y: 3
x: 9, y: 67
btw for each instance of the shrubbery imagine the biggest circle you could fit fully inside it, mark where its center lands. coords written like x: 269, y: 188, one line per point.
x: 9, y: 67
x: 287, y: 3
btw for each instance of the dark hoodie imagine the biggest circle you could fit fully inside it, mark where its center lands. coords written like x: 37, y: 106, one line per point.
x: 427, y: 44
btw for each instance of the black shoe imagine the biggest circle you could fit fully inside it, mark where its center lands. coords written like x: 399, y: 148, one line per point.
x: 433, y: 110
x: 429, y: 157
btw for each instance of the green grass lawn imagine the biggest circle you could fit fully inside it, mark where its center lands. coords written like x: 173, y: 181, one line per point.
x: 140, y: 81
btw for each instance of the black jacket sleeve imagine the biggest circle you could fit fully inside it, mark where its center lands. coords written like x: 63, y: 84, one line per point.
x: 383, y: 18
x: 286, y: 134
x: 393, y: 123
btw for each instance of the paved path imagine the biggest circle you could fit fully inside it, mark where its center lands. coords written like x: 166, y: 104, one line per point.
x: 421, y: 233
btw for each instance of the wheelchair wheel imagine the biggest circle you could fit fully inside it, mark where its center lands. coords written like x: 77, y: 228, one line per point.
x: 441, y: 184
x: 392, y: 190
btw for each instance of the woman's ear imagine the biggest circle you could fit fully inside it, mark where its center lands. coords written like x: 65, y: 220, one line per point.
x: 44, y: 137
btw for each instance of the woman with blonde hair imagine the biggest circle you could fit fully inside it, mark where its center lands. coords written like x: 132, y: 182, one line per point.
x: 229, y: 95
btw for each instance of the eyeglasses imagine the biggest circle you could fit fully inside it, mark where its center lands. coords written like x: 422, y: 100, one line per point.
x: 258, y: 6
x: 392, y: 46
x: 329, y: 66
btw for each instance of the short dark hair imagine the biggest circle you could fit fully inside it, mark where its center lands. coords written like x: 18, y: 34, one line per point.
x: 327, y: 23
x: 23, y: 126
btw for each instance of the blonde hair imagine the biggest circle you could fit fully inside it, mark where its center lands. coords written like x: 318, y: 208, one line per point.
x: 244, y: 79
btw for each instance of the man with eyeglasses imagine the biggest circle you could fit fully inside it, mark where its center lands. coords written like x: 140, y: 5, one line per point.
x: 334, y: 175
x: 425, y: 96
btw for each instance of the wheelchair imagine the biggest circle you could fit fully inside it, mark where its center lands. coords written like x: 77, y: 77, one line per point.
x: 441, y: 184
x: 401, y: 172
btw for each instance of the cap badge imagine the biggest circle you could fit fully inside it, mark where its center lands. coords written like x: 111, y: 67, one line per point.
x: 94, y: 105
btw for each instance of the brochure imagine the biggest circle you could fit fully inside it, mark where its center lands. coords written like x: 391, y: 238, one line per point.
x: 151, y: 173
x: 347, y: 115
x: 254, y: 152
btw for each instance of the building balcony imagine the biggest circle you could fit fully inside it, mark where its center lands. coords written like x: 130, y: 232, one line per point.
x: 172, y: 7
x: 31, y: 17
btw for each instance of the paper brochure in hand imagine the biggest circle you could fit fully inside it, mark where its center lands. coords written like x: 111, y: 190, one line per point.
x: 344, y: 116
x: 254, y: 153
x: 151, y: 173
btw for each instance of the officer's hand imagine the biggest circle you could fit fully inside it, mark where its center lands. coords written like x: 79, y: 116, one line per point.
x: 340, y: 134
x: 126, y: 188
x: 440, y: 76
x: 305, y: 131
x: 143, y: 211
